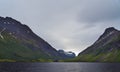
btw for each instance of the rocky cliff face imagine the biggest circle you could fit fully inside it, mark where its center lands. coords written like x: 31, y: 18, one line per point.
x: 105, y: 49
x: 18, y: 42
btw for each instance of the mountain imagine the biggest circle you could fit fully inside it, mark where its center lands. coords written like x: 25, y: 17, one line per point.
x: 105, y: 49
x: 67, y: 55
x: 19, y: 43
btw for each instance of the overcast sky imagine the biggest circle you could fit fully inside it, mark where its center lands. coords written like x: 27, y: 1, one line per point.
x: 72, y: 25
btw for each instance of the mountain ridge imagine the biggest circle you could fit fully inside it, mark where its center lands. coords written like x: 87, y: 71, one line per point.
x: 105, y: 49
x: 19, y: 43
x: 109, y: 33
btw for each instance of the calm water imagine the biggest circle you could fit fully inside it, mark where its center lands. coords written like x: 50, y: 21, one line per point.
x: 59, y: 67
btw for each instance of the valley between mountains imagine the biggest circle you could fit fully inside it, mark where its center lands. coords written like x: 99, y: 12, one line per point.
x: 18, y: 43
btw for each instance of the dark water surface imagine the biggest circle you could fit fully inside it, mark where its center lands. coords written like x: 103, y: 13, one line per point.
x: 59, y: 67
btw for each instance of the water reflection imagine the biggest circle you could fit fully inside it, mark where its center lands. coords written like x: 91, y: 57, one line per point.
x: 59, y: 67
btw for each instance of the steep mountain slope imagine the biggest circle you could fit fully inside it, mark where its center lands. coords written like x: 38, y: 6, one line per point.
x: 19, y: 43
x: 105, y: 49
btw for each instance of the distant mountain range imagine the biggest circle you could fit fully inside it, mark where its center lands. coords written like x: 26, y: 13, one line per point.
x: 105, y: 49
x: 67, y: 55
x: 19, y: 43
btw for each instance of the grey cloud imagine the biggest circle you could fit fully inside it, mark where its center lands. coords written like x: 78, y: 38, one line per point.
x: 65, y: 24
x: 99, y: 10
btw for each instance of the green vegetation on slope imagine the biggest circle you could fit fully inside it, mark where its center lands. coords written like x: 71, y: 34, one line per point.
x: 100, y: 55
x: 105, y: 49
x: 11, y: 50
x: 113, y: 56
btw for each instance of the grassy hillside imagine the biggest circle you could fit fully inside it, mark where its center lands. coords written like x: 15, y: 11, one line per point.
x: 12, y: 50
x: 105, y: 57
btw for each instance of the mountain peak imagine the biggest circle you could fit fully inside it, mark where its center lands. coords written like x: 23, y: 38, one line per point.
x: 110, y: 29
x: 109, y: 32
x: 8, y: 20
x: 105, y: 49
x: 18, y: 42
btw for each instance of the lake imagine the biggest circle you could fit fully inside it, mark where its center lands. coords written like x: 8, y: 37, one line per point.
x: 60, y: 67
